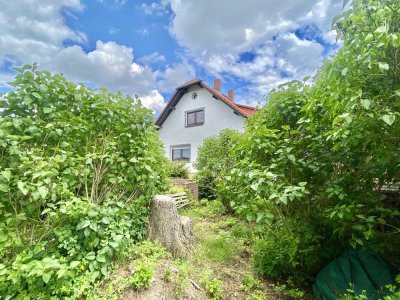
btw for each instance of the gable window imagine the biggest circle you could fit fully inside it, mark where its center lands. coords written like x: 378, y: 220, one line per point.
x: 195, y: 117
x: 180, y: 152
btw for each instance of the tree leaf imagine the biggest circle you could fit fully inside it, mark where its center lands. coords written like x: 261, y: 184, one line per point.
x: 383, y: 66
x: 381, y: 29
x: 4, y: 187
x: 36, y: 95
x: 365, y: 103
x: 388, y: 119
x: 43, y: 191
x: 101, y: 258
x: 21, y: 186
x: 46, y: 277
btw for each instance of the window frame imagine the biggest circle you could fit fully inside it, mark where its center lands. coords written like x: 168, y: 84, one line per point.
x: 195, y: 111
x: 181, y: 147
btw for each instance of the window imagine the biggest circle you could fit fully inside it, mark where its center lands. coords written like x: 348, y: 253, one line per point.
x: 181, y: 152
x: 195, y: 117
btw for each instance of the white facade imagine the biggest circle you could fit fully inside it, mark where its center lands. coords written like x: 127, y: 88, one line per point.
x: 217, y: 116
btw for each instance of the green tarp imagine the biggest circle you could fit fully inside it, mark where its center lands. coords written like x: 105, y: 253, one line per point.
x: 354, y: 269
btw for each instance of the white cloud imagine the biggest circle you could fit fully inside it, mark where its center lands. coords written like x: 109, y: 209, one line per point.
x: 153, y: 8
x: 153, y: 101
x: 152, y: 58
x: 175, y: 75
x: 143, y: 31
x: 215, y: 33
x: 36, y: 31
x: 29, y: 32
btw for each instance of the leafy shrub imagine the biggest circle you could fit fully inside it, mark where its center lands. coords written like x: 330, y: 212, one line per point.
x: 212, y: 161
x: 77, y: 171
x: 178, y: 169
x: 323, y: 153
x: 250, y: 283
x: 290, y: 248
x: 144, y: 272
x: 212, y: 285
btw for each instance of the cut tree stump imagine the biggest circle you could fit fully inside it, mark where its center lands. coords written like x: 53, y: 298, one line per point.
x: 174, y: 232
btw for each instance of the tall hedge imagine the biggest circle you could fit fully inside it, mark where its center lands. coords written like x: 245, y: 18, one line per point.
x: 318, y: 166
x: 78, y: 167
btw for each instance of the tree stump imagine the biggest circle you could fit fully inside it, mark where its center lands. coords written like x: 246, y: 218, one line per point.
x: 173, y: 231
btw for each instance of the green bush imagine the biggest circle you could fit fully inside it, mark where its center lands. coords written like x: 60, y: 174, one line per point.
x: 324, y: 153
x: 144, y: 272
x: 291, y: 248
x: 178, y: 169
x: 213, y: 160
x: 77, y: 170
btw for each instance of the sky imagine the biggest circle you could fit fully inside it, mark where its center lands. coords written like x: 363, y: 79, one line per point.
x: 148, y: 48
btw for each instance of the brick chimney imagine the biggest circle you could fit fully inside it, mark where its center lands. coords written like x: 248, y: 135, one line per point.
x: 231, y: 94
x: 217, y: 85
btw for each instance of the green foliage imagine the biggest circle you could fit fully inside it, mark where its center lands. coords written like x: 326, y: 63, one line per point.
x: 291, y: 248
x: 213, y: 286
x: 77, y: 170
x: 178, y: 169
x: 182, y: 279
x: 257, y: 295
x: 168, y: 274
x: 250, y: 283
x: 212, y: 160
x: 143, y: 273
x: 289, y: 290
x: 313, y: 166
x: 389, y: 292
x: 219, y: 250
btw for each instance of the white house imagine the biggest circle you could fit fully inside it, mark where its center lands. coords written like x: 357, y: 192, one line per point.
x: 194, y: 112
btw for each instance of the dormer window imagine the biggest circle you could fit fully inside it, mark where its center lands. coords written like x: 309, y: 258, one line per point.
x: 194, y: 117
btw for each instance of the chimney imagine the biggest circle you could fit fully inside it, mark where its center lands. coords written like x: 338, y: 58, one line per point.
x: 217, y: 85
x: 231, y: 94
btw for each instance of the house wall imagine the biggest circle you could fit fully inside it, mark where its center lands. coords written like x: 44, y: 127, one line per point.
x: 218, y: 116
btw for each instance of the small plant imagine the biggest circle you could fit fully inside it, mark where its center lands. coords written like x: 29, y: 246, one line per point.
x: 257, y: 295
x: 178, y: 169
x: 168, y: 274
x: 144, y: 272
x: 181, y: 279
x: 250, y: 283
x: 212, y: 285
x: 288, y: 290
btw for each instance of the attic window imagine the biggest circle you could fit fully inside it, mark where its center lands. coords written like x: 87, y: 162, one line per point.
x: 194, y: 95
x: 194, y: 117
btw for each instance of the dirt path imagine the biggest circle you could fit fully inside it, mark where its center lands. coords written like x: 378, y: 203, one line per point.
x: 219, y: 266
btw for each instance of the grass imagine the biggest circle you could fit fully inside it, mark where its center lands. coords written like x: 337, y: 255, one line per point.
x: 220, y: 265
x: 221, y: 259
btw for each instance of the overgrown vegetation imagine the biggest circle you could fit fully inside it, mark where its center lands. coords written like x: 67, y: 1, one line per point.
x: 212, y: 161
x: 77, y: 170
x: 178, y: 169
x: 316, y: 169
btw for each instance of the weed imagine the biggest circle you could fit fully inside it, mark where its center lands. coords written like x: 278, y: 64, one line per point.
x: 250, y: 283
x: 257, y: 295
x: 212, y: 285
x: 219, y: 250
x: 289, y: 291
x: 181, y: 280
x: 144, y: 272
x: 168, y: 274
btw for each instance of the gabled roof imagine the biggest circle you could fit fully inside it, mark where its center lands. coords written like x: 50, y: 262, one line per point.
x: 242, y: 110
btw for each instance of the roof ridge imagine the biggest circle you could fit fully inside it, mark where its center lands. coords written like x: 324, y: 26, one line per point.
x: 243, y: 110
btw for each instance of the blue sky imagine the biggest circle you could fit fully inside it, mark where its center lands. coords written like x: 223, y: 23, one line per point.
x: 147, y: 48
